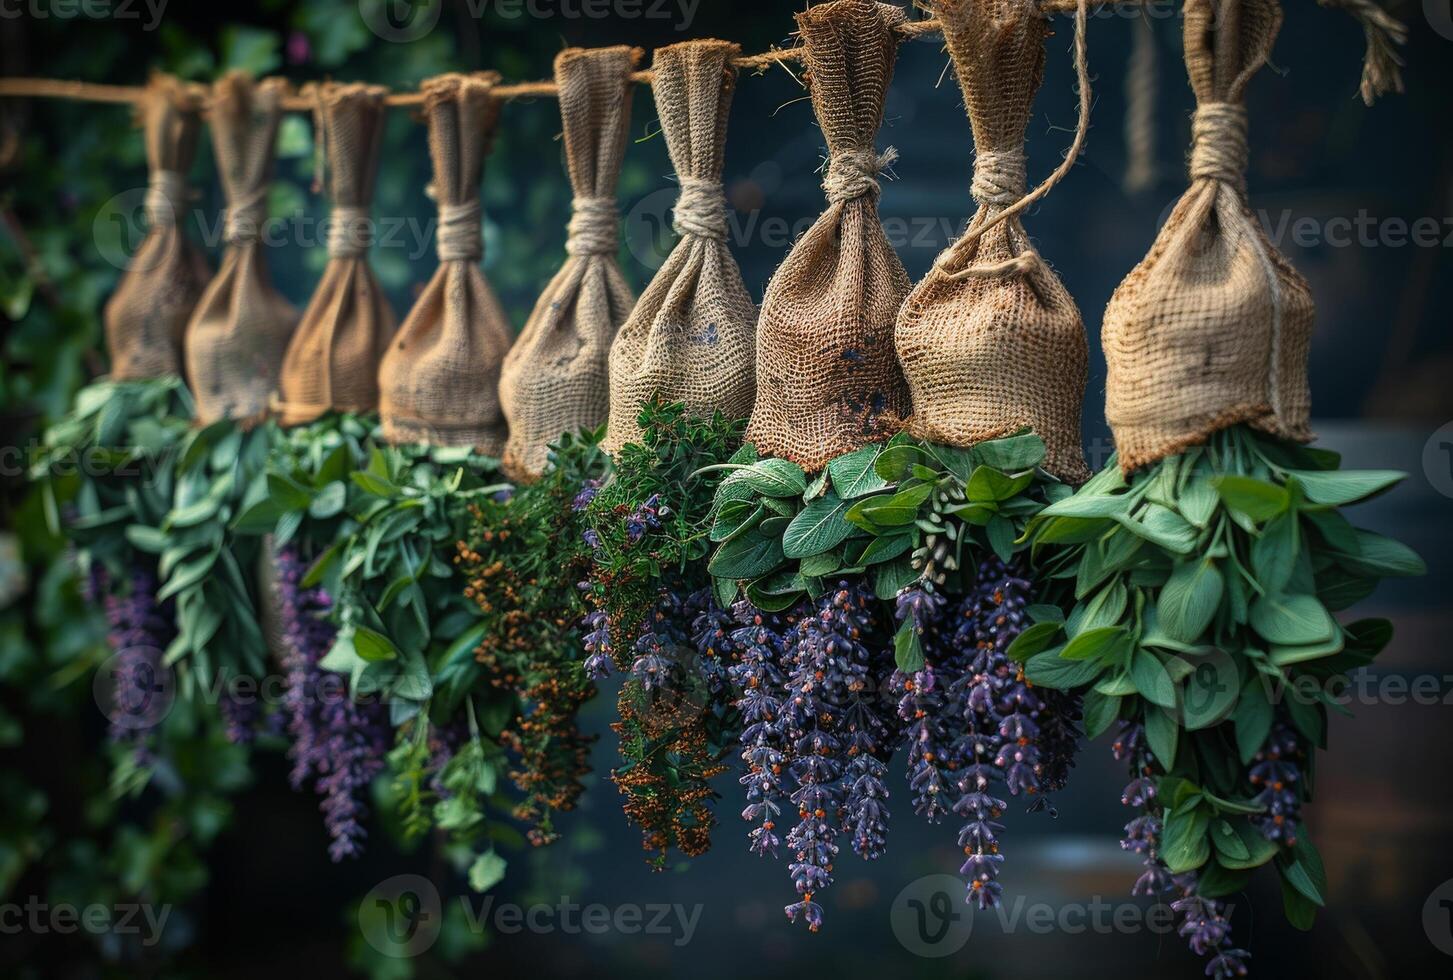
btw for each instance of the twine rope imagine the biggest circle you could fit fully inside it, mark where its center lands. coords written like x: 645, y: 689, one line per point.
x: 460, y: 237
x: 166, y: 190
x: 594, y: 227
x: 244, y: 218
x: 1219, y: 147
x: 350, y: 231
x: 701, y: 209
x: 999, y: 176
x: 854, y: 173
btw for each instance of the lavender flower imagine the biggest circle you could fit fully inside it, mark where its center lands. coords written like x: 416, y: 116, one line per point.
x: 1275, y: 771
x: 597, y: 645
x: 759, y: 677
x: 586, y: 495
x: 339, y: 743
x: 973, y: 722
x: 139, y: 630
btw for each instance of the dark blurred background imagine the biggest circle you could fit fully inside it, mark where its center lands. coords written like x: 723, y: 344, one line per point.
x: 1357, y: 198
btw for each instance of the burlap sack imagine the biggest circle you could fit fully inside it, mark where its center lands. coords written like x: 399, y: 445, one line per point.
x: 438, y: 381
x: 692, y: 336
x: 332, y: 359
x: 240, y: 329
x: 990, y: 341
x: 147, y: 315
x: 828, y: 379
x: 1213, y: 327
x: 555, y: 378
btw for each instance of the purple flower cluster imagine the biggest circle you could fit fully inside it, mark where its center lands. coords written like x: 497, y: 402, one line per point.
x: 807, y: 684
x: 974, y: 722
x: 646, y: 517
x: 597, y: 645
x: 1205, y: 924
x: 1276, y: 773
x: 338, y: 742
x: 139, y: 630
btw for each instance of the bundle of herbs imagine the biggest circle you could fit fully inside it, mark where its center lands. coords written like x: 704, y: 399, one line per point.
x: 1201, y: 627
x: 654, y: 618
x: 376, y: 635
x: 521, y: 557
x: 880, y: 607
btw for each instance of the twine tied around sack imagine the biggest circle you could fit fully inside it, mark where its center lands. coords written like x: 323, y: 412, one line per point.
x: 1219, y: 148
x: 854, y: 173
x: 701, y: 209
x: 166, y: 194
x: 594, y: 226
x: 244, y: 218
x: 350, y: 231
x: 460, y: 237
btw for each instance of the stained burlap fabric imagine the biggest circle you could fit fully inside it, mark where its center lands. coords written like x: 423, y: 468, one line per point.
x: 828, y: 379
x: 147, y: 315
x: 692, y: 336
x: 439, y: 379
x: 1213, y: 327
x: 332, y: 359
x: 239, y: 331
x: 555, y: 379
x: 990, y: 341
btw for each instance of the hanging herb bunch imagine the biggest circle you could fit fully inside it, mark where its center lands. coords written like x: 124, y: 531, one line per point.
x: 653, y: 618
x: 682, y: 376
x: 1203, y: 567
x: 1201, y: 631
x: 522, y: 558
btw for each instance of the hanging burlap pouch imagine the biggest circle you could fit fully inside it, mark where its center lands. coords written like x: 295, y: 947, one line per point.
x: 439, y: 380
x: 555, y: 379
x: 828, y: 379
x: 1213, y: 327
x: 240, y: 329
x: 147, y: 315
x: 332, y: 359
x: 990, y: 341
x: 692, y: 336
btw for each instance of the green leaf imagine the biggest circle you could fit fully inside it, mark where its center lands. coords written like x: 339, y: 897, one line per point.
x: 1048, y: 669
x: 1300, y: 911
x: 885, y: 548
x: 1184, y: 845
x: 1011, y: 454
x: 771, y: 478
x: 260, y: 518
x: 1000, y: 532
x: 908, y: 649
x: 1189, y: 600
x: 1151, y: 679
x: 1227, y: 842
x: 1086, y: 505
x: 1100, y: 712
x: 487, y: 870
x: 287, y: 492
x: 748, y: 556
x: 1198, y: 501
x: 819, y: 527
x: 895, y: 463
x: 1257, y: 499
x: 988, y: 483
x: 328, y: 502
x: 1161, y: 734
x: 1382, y: 556
x: 1291, y: 619
x: 1300, y: 877
x: 890, y: 578
x: 1162, y: 526
x: 816, y: 566
x: 1104, y: 644
x: 1215, y: 880
x: 1209, y: 694
x: 1259, y: 850
x: 372, y: 483
x: 372, y: 645
x: 1340, y: 487
x: 1031, y: 641
x: 1274, y: 552
x: 853, y: 475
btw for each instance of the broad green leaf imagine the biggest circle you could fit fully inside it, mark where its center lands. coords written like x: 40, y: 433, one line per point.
x: 1048, y: 669
x: 1011, y: 454
x: 1257, y: 499
x: 1291, y: 619
x: 853, y: 475
x: 1340, y: 487
x: 372, y: 645
x: 819, y: 527
x: 1189, y: 600
x: 1162, y: 734
x: 748, y: 556
x: 1151, y: 679
x: 1104, y: 644
x: 1274, y: 552
x: 1031, y: 641
x: 1100, y: 712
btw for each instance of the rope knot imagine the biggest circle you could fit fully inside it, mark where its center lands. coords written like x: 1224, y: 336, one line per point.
x: 244, y: 218
x: 700, y: 210
x: 460, y: 237
x: 165, y: 192
x: 350, y: 232
x: 999, y: 176
x: 594, y: 227
x: 1219, y: 150
x: 854, y: 173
